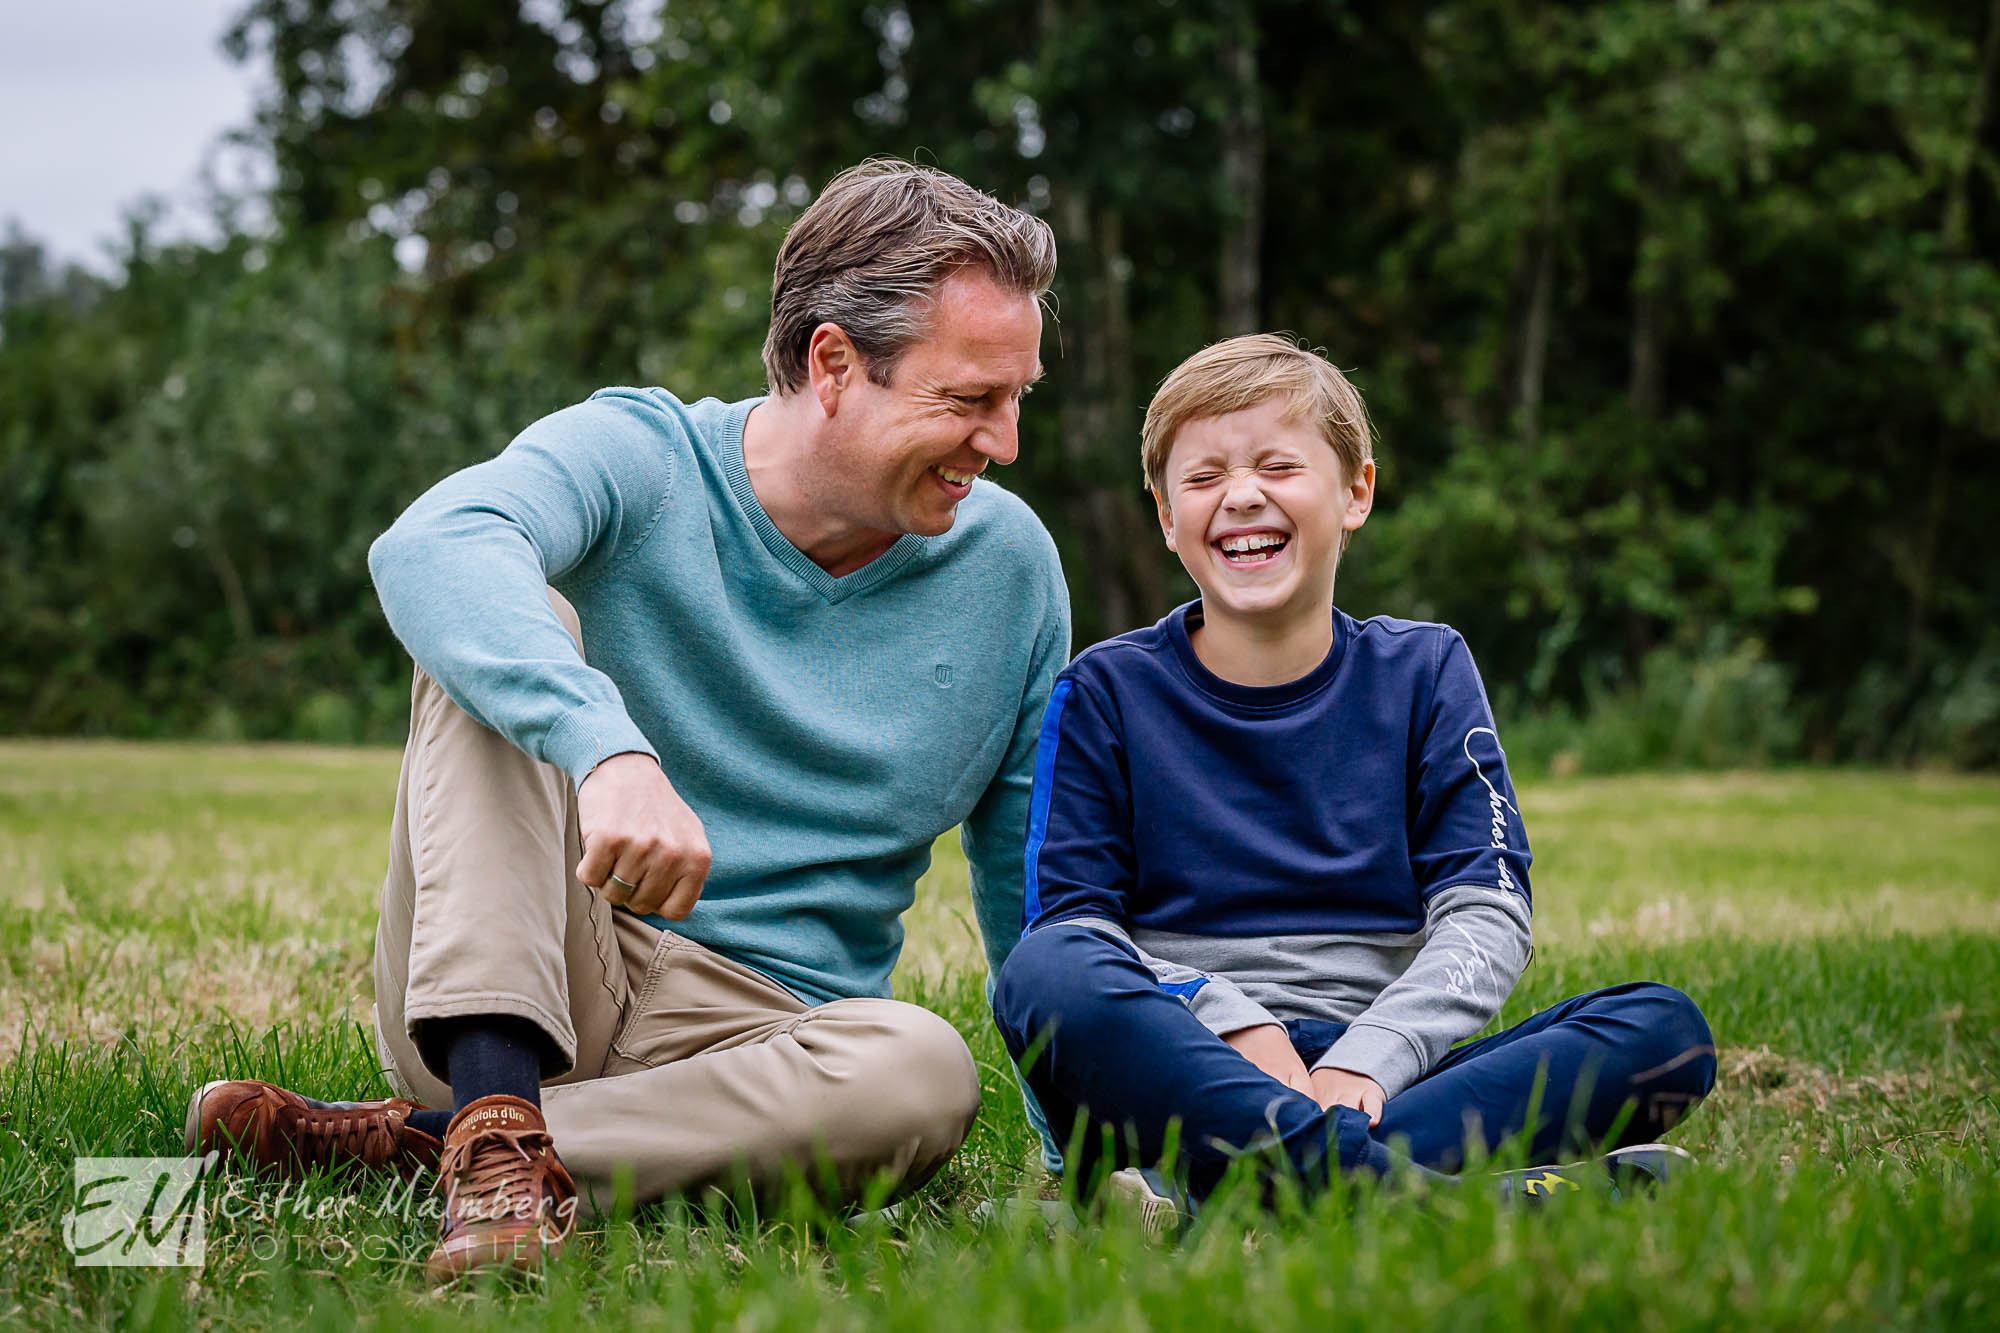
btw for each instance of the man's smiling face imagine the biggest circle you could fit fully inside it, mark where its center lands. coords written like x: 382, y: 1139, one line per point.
x: 905, y: 453
x: 1256, y: 508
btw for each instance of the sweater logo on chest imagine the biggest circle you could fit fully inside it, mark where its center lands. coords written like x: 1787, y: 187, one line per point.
x: 941, y: 675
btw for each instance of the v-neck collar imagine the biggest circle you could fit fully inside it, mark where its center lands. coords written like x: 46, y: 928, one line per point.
x: 780, y: 546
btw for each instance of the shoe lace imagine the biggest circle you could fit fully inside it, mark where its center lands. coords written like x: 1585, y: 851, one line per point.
x: 489, y: 1170
x: 332, y: 1135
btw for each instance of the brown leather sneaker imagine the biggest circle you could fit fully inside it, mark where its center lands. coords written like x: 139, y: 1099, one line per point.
x: 507, y: 1201
x: 283, y: 1134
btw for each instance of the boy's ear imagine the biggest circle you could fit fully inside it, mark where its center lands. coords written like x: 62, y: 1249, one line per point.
x: 1360, y: 497
x: 1166, y: 522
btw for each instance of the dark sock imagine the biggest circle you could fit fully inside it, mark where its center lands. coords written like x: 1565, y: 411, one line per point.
x: 492, y: 1054
x: 433, y: 1123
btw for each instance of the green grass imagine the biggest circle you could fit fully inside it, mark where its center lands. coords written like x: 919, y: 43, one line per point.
x: 174, y: 913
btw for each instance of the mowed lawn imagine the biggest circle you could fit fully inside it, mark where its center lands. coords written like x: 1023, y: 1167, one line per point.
x: 170, y: 914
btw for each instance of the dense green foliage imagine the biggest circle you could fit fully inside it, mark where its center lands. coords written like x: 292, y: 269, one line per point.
x: 1680, y: 322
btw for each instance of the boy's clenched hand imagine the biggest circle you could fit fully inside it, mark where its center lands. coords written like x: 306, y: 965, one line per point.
x: 1344, y: 1087
x: 1267, y: 1047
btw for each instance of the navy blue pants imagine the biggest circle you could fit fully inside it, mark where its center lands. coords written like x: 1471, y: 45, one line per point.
x: 1102, y: 1044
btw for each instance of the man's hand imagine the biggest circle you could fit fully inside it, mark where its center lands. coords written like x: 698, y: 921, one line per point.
x: 1344, y: 1087
x: 1267, y: 1047
x: 636, y: 826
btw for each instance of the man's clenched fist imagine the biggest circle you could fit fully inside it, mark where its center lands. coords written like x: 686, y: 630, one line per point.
x: 636, y: 826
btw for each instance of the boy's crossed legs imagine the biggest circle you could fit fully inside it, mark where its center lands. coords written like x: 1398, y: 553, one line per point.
x: 1112, y: 1041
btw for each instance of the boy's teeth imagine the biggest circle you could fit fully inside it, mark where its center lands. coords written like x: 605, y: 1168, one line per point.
x: 1254, y: 542
x: 955, y: 478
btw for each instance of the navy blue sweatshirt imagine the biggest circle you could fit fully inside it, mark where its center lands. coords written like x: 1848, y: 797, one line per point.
x: 1344, y: 847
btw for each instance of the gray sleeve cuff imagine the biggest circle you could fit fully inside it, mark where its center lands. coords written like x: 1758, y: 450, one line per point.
x: 1223, y: 1009
x: 1383, y: 1054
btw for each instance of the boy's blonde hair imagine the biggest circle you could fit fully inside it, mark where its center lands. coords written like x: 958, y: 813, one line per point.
x: 1240, y: 373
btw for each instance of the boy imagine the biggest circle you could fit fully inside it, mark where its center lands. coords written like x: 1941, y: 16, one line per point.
x: 1275, y: 869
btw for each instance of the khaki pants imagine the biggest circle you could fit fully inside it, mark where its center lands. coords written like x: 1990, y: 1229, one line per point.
x: 676, y: 1064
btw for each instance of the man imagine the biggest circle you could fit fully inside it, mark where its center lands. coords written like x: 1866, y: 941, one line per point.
x: 652, y: 854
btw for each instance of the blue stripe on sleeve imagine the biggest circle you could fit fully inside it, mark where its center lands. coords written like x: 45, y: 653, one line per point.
x: 1038, y: 806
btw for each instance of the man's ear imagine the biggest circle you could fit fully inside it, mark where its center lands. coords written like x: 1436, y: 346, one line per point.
x: 1166, y: 522
x: 1360, y: 497
x: 833, y: 365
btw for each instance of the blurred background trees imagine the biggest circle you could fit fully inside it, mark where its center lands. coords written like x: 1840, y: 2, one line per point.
x: 1680, y: 323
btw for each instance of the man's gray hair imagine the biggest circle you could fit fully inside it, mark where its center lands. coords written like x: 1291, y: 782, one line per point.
x: 869, y: 253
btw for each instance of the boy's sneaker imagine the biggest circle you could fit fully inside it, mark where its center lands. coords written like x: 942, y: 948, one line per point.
x: 1646, y: 1166
x: 1639, y: 1169
x: 1161, y: 1210
x: 508, y: 1202
x: 1539, y: 1184
x: 281, y: 1133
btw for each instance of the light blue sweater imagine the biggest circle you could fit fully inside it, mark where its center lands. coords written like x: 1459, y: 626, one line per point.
x: 826, y: 730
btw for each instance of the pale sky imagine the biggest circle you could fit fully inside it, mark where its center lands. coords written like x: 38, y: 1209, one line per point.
x: 102, y: 101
